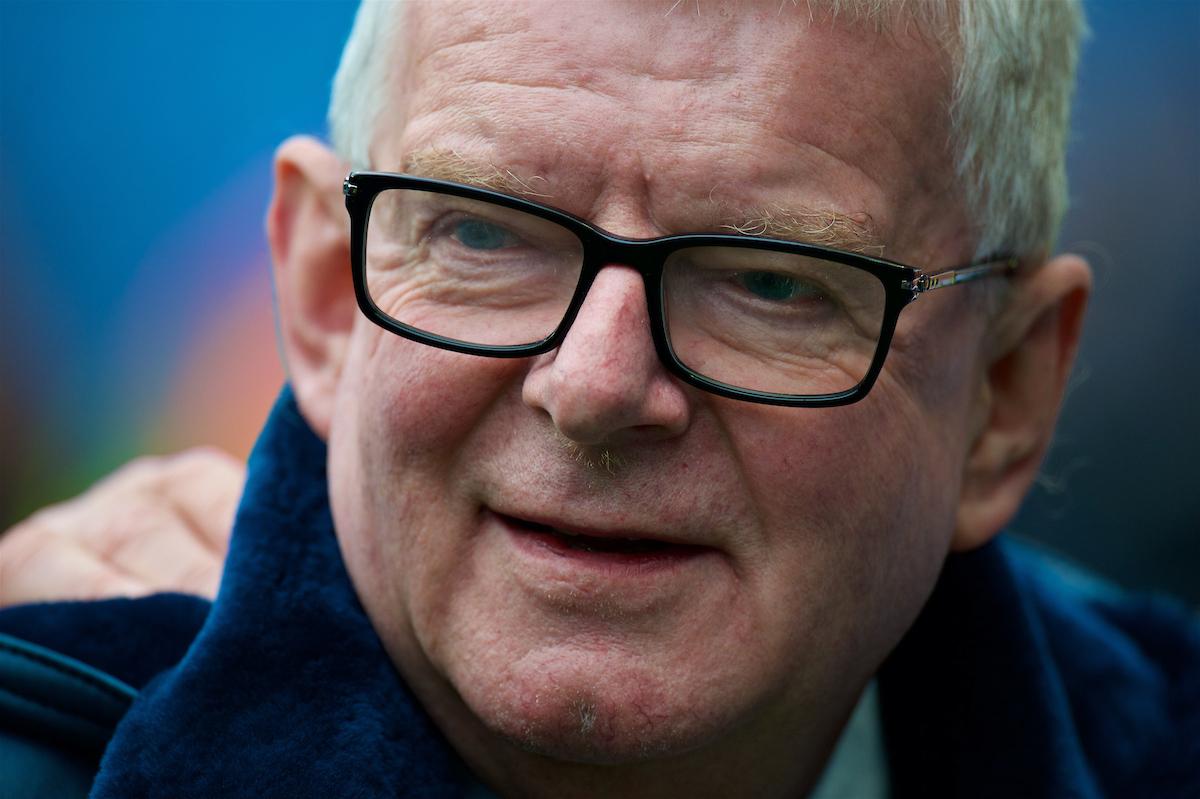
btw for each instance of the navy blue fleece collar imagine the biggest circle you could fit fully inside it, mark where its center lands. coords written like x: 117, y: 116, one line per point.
x: 286, y: 691
x: 1020, y: 678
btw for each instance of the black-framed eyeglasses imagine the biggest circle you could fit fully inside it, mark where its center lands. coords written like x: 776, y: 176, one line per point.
x: 755, y: 319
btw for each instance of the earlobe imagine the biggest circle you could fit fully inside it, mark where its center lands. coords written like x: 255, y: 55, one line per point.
x: 309, y: 235
x: 1030, y: 349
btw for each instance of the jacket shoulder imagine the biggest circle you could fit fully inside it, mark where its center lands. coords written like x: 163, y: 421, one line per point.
x: 130, y: 639
x: 68, y: 674
x: 1130, y: 668
x: 57, y: 715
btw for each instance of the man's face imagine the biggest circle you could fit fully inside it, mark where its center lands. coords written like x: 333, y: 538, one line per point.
x: 801, y: 542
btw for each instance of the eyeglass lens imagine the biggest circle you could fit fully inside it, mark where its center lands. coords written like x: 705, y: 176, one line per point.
x: 757, y: 319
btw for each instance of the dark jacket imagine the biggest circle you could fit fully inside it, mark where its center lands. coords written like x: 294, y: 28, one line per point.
x: 1017, y: 680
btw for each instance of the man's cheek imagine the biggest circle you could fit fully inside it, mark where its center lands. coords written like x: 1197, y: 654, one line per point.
x: 852, y: 489
x: 827, y: 469
x: 396, y: 456
x: 423, y: 402
x: 921, y: 365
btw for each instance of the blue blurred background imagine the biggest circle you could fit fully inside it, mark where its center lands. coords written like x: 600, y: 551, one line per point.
x: 135, y: 145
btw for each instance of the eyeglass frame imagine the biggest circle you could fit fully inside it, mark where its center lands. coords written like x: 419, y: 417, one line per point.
x: 902, y: 284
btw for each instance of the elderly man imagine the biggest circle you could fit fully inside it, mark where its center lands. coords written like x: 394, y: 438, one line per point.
x: 615, y: 462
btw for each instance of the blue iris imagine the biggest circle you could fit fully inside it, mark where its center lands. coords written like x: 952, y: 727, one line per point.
x: 480, y: 235
x: 773, y: 286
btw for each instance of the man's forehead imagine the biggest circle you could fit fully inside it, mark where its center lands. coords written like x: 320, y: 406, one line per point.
x: 598, y: 30
x: 691, y: 37
x: 772, y: 131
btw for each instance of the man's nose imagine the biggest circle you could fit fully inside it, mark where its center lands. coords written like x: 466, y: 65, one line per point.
x: 605, y: 382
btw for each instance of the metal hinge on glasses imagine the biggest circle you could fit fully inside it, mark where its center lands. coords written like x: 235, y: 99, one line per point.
x: 925, y: 282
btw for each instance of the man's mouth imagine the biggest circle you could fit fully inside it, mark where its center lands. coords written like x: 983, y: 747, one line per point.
x: 591, y: 543
x: 616, y: 545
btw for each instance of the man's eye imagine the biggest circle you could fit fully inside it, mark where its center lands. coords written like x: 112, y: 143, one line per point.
x: 775, y: 287
x: 478, y: 234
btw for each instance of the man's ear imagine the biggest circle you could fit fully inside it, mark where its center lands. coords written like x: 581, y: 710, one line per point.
x: 1029, y: 349
x: 309, y: 234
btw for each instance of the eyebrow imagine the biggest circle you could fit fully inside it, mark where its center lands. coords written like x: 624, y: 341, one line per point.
x: 454, y: 168
x: 847, y: 232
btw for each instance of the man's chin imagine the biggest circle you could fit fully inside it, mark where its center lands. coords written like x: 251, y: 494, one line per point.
x: 587, y: 733
x: 605, y: 721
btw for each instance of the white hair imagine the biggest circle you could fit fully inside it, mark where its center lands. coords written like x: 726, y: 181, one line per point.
x: 1013, y: 65
x: 1011, y: 117
x: 362, y: 85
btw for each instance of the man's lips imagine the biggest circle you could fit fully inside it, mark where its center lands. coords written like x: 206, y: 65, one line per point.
x: 602, y: 541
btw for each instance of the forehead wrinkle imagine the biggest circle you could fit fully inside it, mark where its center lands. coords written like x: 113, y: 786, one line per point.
x: 483, y: 173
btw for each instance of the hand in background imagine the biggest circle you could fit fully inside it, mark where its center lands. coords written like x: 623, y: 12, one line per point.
x: 156, y: 524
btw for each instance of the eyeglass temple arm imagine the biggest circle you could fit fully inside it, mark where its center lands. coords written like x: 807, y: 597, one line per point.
x: 993, y: 266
